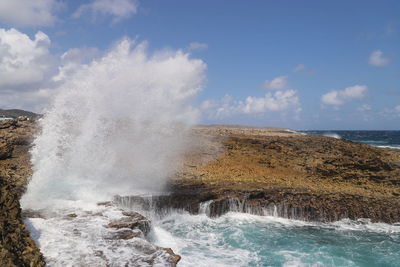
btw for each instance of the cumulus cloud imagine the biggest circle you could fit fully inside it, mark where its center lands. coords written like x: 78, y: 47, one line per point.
x: 283, y: 99
x: 287, y: 100
x: 337, y: 98
x: 28, y: 12
x: 278, y: 101
x: 377, y: 59
x: 277, y: 83
x: 196, y: 46
x: 117, y: 9
x: 26, y: 67
x: 24, y: 61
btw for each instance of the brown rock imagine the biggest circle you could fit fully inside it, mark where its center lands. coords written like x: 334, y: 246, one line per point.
x: 125, y: 234
x: 6, y: 150
x: 133, y: 220
x: 175, y: 258
x: 16, y: 246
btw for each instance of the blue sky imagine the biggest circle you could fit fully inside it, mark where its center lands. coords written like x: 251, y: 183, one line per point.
x: 297, y: 64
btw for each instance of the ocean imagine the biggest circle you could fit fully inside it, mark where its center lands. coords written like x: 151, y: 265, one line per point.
x: 383, y: 139
x: 238, y: 239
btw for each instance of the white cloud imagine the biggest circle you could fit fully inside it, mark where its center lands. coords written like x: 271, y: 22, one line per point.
x: 337, y: 98
x: 28, y: 12
x: 278, y: 101
x: 196, y: 46
x: 299, y: 67
x: 287, y: 100
x: 24, y: 61
x: 118, y: 9
x: 377, y: 59
x: 277, y: 83
x: 397, y: 108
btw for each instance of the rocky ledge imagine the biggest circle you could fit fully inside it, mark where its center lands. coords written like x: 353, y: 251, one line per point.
x: 268, y: 171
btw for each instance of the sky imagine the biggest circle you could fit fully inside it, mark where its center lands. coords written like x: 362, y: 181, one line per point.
x: 306, y: 64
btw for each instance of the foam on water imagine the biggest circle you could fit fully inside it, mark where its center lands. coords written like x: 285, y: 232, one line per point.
x: 85, y: 241
x: 238, y: 239
x: 333, y: 135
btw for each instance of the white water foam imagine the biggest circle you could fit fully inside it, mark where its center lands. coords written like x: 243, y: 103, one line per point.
x: 85, y: 241
x: 226, y: 241
x: 332, y: 135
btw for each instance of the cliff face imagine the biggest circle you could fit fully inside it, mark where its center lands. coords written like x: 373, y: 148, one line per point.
x: 16, y: 246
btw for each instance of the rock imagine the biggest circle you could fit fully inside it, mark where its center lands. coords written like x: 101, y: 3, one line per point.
x: 28, y: 213
x: 23, y: 118
x: 175, y: 258
x: 16, y: 246
x: 125, y: 234
x: 4, y: 124
x: 6, y: 150
x: 105, y: 203
x: 133, y: 220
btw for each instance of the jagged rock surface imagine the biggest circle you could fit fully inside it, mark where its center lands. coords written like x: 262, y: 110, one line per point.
x: 16, y: 246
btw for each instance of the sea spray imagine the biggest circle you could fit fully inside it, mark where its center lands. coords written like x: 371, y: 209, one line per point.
x: 116, y: 126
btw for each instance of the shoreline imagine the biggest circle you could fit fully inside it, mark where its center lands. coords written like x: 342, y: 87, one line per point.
x: 254, y: 170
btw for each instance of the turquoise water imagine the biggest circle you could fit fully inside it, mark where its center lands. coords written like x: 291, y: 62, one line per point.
x: 248, y: 240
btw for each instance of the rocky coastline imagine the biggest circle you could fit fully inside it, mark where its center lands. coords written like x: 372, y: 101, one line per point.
x: 16, y: 246
x: 263, y: 171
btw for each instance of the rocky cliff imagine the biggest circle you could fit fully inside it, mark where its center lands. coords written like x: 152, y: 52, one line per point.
x: 16, y: 246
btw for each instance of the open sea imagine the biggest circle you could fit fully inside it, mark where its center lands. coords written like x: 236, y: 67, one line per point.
x: 384, y: 139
